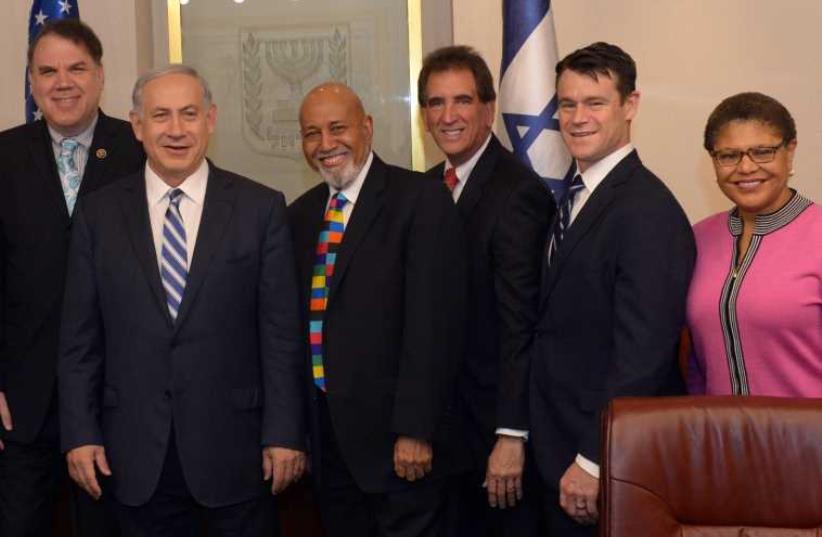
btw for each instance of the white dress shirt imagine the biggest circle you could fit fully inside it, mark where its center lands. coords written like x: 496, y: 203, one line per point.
x: 591, y: 178
x: 464, y: 170
x: 352, y: 191
x: 191, y: 206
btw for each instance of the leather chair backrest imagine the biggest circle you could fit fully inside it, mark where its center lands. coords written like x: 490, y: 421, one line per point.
x: 712, y: 467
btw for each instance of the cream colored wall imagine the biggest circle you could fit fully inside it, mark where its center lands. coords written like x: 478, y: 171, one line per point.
x: 114, y: 21
x: 690, y: 54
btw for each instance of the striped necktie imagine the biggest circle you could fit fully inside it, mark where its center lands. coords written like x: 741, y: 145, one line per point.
x: 69, y: 172
x: 174, y: 260
x: 564, y: 217
x: 327, y: 245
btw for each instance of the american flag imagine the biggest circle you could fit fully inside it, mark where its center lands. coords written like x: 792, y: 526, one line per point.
x: 43, y: 11
x: 528, y: 101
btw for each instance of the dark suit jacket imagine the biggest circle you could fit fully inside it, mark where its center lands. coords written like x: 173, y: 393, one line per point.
x: 612, y: 307
x: 506, y: 210
x: 393, y: 326
x: 227, y: 374
x: 34, y: 237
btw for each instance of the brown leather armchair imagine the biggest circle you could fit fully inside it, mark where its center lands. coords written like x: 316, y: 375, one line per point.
x: 712, y: 467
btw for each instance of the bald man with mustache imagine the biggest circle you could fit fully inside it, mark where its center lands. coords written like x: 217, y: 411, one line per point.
x: 380, y: 261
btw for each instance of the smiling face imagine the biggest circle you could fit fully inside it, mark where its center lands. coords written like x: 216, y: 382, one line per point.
x: 454, y: 115
x: 593, y: 118
x: 755, y: 188
x: 66, y: 84
x: 336, y: 133
x: 174, y: 126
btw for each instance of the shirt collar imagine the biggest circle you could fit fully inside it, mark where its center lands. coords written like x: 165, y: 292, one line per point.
x: 84, y: 138
x: 464, y: 170
x: 194, y: 186
x: 599, y: 170
x: 768, y: 223
x: 352, y: 191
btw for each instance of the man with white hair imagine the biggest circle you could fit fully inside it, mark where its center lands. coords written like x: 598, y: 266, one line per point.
x: 381, y: 268
x: 180, y: 368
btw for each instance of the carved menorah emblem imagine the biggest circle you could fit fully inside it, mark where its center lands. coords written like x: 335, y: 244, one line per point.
x: 294, y: 60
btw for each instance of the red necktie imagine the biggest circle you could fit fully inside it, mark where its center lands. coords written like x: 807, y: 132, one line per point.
x: 450, y: 178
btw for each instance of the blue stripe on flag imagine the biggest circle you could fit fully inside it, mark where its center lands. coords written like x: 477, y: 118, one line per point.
x: 519, y: 18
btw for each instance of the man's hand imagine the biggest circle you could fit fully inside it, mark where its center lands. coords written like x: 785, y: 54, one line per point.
x: 578, y: 492
x: 5, y: 417
x: 81, y: 462
x: 412, y: 458
x: 503, y: 477
x: 285, y: 466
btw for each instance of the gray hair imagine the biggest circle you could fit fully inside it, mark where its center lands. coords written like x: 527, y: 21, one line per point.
x: 172, y: 69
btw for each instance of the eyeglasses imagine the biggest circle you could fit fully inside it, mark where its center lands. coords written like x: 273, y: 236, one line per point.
x: 760, y: 155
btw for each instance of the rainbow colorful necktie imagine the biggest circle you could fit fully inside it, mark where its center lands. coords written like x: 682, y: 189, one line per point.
x: 329, y: 241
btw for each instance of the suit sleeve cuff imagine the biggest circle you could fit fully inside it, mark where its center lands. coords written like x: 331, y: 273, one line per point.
x: 587, y: 465
x: 516, y: 433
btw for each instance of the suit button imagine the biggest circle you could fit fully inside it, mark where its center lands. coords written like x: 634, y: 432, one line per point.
x: 167, y: 395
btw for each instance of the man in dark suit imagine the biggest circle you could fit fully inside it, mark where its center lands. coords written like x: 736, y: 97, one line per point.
x: 505, y: 209
x: 382, y: 277
x: 71, y: 151
x: 180, y: 370
x: 617, y: 266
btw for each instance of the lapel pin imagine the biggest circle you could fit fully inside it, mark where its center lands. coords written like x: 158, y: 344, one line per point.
x: 101, y: 153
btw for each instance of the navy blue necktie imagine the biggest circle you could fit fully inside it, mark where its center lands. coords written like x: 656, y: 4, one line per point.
x: 564, y: 217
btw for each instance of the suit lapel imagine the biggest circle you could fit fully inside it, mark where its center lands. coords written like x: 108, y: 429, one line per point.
x: 42, y: 154
x: 135, y: 209
x: 480, y: 175
x: 217, y: 208
x: 99, y: 154
x: 368, y: 206
x: 591, y: 212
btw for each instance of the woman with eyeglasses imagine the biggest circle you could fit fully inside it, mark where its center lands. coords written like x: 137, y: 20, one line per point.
x: 755, y: 301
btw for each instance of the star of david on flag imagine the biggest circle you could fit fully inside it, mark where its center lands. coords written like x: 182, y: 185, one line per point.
x: 43, y: 11
x: 527, y: 94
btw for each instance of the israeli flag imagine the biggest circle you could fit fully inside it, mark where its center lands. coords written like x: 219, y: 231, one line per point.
x: 527, y: 94
x: 43, y: 11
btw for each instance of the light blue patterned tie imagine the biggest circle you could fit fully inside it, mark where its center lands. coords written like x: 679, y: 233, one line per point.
x: 174, y: 260
x: 69, y: 173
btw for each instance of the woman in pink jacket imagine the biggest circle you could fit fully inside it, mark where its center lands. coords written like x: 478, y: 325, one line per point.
x: 755, y: 301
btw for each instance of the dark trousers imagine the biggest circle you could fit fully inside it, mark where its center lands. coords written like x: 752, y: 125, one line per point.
x: 416, y: 510
x: 470, y: 514
x: 173, y: 512
x: 30, y: 477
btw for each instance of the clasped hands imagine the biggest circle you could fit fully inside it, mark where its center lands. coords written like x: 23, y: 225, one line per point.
x: 282, y: 466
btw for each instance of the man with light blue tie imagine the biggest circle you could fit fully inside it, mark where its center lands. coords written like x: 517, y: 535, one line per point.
x: 45, y: 166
